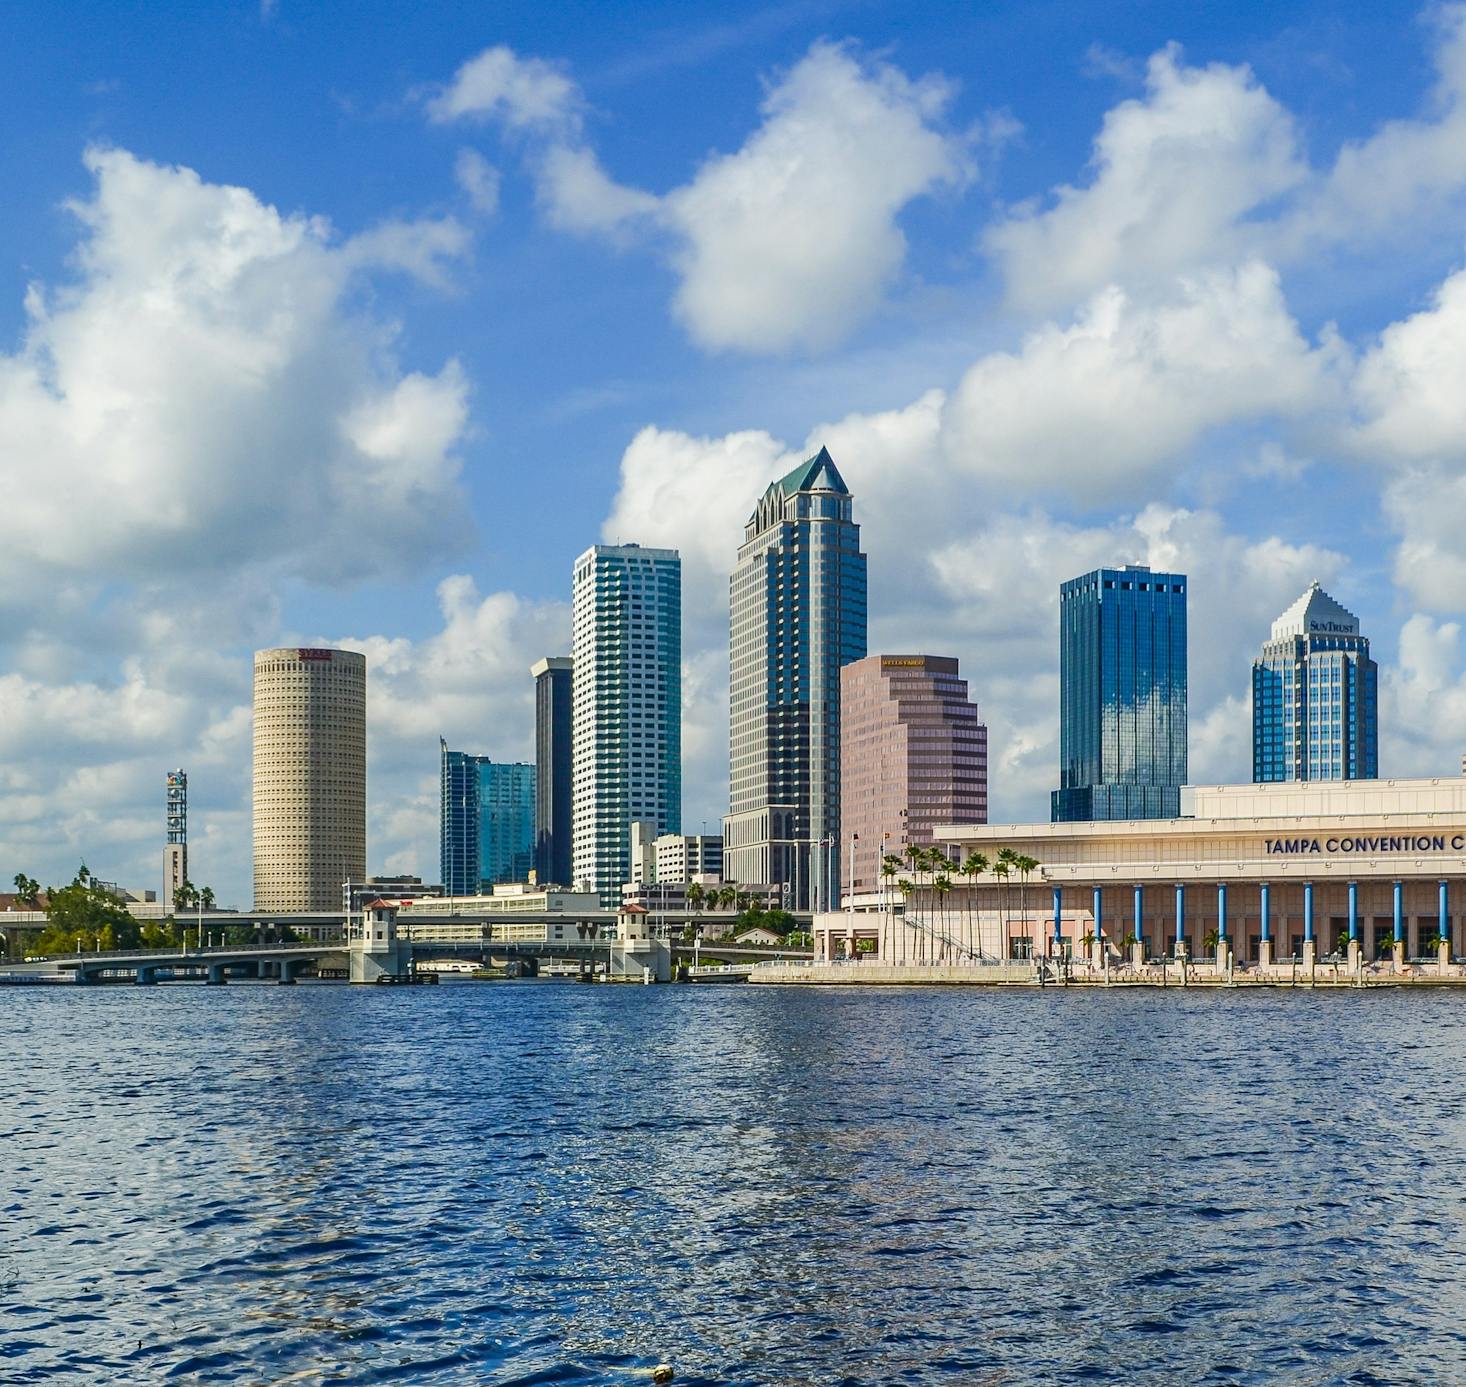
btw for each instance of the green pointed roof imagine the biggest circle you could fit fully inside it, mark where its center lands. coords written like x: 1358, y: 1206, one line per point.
x: 818, y: 473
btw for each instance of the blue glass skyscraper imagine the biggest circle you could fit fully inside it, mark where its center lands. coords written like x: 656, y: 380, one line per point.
x: 487, y: 821
x: 1122, y: 695
x: 1315, y: 696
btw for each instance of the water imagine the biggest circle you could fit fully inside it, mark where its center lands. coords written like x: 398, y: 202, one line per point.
x: 539, y: 1183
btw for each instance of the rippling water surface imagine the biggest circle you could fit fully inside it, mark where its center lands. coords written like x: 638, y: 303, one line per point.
x: 539, y: 1183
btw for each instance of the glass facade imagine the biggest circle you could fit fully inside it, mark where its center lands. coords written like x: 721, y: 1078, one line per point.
x: 1122, y: 696
x: 1315, y: 697
x: 552, y: 734
x: 797, y: 616
x: 487, y: 823
x: 626, y: 698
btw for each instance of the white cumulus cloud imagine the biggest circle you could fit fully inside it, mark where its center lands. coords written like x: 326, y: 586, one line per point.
x: 525, y: 93
x: 1174, y: 176
x: 202, y: 397
x: 789, y: 241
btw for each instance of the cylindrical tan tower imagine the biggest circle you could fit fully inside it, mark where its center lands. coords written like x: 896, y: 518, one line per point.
x: 309, y: 777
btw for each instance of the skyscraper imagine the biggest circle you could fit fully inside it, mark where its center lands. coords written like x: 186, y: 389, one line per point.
x: 309, y: 777
x: 487, y: 829
x: 552, y: 734
x: 626, y: 700
x: 1315, y: 696
x: 798, y: 613
x: 506, y: 797
x: 1122, y: 695
x: 913, y: 754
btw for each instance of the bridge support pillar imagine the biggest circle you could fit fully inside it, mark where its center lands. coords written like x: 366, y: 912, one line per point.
x: 376, y: 952
x: 218, y: 974
x: 146, y: 977
x: 286, y: 970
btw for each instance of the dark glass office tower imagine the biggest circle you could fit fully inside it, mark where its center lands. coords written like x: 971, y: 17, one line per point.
x: 798, y: 614
x: 552, y: 730
x: 1122, y: 695
x: 1315, y: 696
x: 486, y: 829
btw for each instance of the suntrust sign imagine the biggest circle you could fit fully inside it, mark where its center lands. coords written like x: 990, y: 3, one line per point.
x: 1419, y: 842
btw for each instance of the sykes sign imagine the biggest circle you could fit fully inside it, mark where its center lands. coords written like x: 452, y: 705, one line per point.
x: 1408, y: 842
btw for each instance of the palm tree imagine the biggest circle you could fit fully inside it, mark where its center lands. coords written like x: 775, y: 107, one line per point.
x: 206, y: 898
x: 890, y: 865
x: 941, y: 885
x: 906, y: 887
x: 695, y: 896
x: 1023, y: 866
x: 973, y: 867
x: 1003, y: 870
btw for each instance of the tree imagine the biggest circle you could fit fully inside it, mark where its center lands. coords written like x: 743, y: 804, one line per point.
x: 905, y: 886
x: 696, y: 896
x: 779, y: 922
x: 1023, y: 866
x: 973, y: 867
x: 28, y: 889
x: 890, y: 867
x: 1003, y: 870
x: 206, y: 898
x: 83, y: 914
x: 941, y: 887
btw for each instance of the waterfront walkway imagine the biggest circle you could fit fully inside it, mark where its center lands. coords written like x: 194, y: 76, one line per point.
x: 1032, y: 973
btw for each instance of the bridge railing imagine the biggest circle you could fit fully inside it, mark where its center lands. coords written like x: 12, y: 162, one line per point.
x: 193, y: 951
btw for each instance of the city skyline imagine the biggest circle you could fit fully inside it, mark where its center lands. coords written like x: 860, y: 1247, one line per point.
x: 252, y: 398
x: 287, y: 703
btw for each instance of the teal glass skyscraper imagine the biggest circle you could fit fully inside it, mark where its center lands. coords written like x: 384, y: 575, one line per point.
x: 1315, y: 696
x: 1122, y: 695
x: 487, y: 823
x: 798, y: 615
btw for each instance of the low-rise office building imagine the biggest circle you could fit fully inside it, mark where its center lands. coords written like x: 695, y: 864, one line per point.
x: 508, y: 898
x: 1279, y: 871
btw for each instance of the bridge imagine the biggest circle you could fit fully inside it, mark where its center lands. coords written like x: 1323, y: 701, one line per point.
x: 284, y: 963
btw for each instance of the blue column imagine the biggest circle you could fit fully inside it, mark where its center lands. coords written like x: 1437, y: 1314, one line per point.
x: 1267, y: 933
x: 1139, y: 902
x: 1308, y: 912
x: 1180, y: 912
x: 1353, y: 912
x: 1444, y: 928
x: 1399, y: 913
x: 1058, y: 913
x: 1221, y: 910
x: 1098, y: 919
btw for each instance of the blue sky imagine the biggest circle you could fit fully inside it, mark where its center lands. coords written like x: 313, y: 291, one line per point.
x: 358, y: 323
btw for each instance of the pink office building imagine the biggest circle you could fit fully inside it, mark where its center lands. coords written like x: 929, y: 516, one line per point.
x: 913, y: 754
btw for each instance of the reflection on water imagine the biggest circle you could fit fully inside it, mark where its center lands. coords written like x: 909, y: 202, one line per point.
x: 538, y: 1183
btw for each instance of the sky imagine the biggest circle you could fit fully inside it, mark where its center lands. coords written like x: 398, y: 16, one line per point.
x: 356, y: 324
